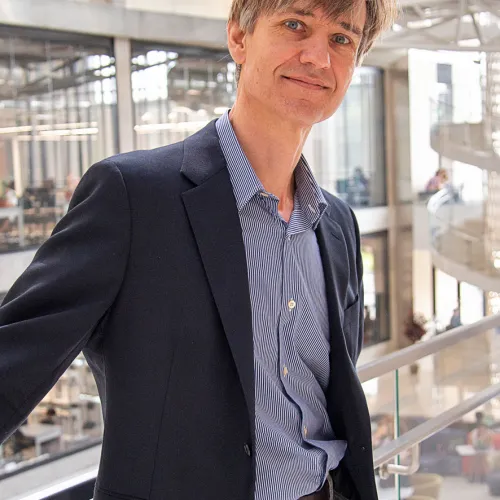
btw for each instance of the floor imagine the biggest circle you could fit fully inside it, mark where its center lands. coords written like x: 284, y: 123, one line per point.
x: 460, y: 489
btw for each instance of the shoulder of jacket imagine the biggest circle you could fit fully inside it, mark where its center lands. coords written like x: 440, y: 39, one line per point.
x: 148, y: 162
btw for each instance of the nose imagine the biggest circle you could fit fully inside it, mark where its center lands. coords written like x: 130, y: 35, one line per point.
x: 316, y: 51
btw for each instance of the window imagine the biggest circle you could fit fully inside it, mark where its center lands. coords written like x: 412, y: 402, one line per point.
x: 177, y: 91
x: 57, y: 117
x: 376, y: 285
x: 347, y: 151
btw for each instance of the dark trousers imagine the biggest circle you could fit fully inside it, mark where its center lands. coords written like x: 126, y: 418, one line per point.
x: 338, y: 487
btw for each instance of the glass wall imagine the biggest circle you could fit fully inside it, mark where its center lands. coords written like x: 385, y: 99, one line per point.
x: 376, y: 288
x: 177, y: 91
x: 57, y: 117
x: 347, y: 151
x: 456, y: 303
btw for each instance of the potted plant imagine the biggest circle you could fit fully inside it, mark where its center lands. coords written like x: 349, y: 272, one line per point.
x: 414, y: 331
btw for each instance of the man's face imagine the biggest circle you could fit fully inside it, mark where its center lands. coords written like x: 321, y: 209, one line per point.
x: 298, y: 64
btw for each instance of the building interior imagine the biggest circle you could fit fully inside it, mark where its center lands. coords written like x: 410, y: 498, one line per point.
x: 414, y: 150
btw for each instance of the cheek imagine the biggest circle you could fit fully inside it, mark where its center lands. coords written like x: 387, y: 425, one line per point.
x: 343, y: 77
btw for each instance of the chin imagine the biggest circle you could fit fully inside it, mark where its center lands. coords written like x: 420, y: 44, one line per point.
x: 304, y: 112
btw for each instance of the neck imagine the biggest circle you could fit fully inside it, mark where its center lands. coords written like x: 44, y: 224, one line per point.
x: 273, y: 148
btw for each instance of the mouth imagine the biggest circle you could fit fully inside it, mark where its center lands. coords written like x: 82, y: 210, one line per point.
x: 306, y: 83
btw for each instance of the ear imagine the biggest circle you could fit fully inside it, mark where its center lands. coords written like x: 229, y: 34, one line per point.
x: 236, y: 39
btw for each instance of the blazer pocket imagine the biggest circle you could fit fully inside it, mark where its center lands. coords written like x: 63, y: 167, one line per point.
x: 351, y: 313
x: 351, y: 326
x: 103, y: 494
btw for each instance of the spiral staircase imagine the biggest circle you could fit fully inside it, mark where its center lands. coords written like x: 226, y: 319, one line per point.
x: 465, y: 238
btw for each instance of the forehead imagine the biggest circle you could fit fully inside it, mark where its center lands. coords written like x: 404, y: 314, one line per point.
x: 332, y: 10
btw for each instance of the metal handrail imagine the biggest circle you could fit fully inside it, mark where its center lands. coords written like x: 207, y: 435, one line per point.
x: 423, y: 431
x: 411, y: 354
x: 64, y: 485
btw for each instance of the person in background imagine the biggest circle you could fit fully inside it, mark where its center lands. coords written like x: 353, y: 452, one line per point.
x: 50, y: 417
x: 481, y: 439
x: 8, y: 200
x: 71, y: 184
x: 455, y: 319
x: 438, y: 181
x: 369, y: 325
x: 359, y: 188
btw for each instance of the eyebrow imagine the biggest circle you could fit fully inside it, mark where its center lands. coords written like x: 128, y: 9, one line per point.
x: 347, y: 26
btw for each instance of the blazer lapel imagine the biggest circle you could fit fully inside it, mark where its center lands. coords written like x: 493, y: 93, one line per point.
x: 212, y: 212
x: 335, y: 267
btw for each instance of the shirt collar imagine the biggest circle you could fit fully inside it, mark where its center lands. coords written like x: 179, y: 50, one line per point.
x: 246, y: 183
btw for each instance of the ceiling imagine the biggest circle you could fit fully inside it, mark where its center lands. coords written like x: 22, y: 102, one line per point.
x: 458, y: 25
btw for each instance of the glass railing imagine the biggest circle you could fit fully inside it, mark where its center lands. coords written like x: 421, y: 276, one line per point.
x: 29, y: 220
x: 456, y: 131
x: 67, y: 421
x: 423, y: 401
x: 458, y: 233
x: 435, y: 419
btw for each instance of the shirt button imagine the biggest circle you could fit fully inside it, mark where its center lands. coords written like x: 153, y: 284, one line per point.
x: 291, y: 304
x: 264, y: 195
x: 248, y: 451
x: 285, y: 371
x: 305, y: 431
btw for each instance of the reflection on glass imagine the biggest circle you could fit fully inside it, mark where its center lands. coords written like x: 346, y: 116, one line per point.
x: 67, y: 418
x: 177, y: 91
x: 57, y: 117
x: 471, y: 303
x: 446, y: 290
x: 375, y: 281
x: 456, y: 303
x: 346, y: 152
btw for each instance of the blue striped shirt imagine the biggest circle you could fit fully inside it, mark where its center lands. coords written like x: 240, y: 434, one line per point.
x: 294, y: 442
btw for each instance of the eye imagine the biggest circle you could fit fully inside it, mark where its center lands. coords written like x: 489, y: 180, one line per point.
x: 294, y: 25
x: 341, y: 39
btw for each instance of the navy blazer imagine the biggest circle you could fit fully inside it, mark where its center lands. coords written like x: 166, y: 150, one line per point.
x: 147, y: 275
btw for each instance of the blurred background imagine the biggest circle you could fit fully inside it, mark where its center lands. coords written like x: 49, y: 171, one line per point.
x: 413, y: 149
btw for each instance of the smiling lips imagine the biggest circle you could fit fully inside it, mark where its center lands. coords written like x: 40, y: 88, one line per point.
x: 306, y: 82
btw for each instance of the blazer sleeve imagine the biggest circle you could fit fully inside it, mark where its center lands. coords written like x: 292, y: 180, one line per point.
x: 361, y: 294
x: 50, y: 312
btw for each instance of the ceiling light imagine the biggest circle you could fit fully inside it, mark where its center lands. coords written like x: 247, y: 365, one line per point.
x: 422, y: 23
x: 471, y: 42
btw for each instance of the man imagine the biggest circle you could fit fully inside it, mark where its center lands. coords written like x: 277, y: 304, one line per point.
x: 216, y: 291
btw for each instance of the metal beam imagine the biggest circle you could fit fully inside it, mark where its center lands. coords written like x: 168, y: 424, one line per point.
x: 408, y: 31
x: 413, y: 3
x: 409, y: 44
x: 477, y: 27
x: 110, y: 21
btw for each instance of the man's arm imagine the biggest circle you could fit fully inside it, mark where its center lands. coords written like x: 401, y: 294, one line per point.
x: 51, y: 311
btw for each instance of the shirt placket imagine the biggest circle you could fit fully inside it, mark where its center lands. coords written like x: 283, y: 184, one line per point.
x: 288, y: 322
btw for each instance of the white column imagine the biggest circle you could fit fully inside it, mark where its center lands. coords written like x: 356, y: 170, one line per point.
x: 125, y: 107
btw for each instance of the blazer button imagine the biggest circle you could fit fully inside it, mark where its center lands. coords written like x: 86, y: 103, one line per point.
x: 248, y: 451
x: 363, y: 448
